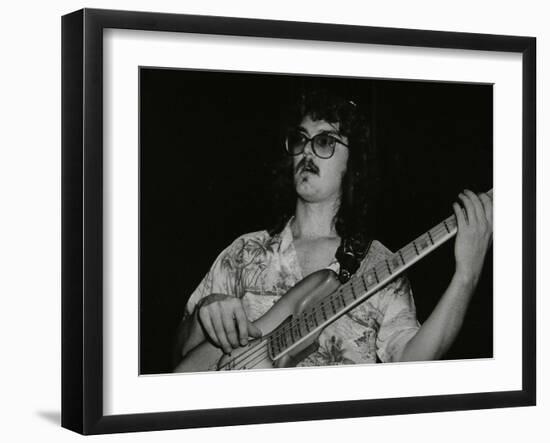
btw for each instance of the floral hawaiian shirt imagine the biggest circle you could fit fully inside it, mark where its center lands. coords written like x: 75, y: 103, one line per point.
x: 260, y: 269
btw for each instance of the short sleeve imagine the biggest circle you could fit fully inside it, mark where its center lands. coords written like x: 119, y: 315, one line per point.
x: 220, y: 279
x: 399, y: 322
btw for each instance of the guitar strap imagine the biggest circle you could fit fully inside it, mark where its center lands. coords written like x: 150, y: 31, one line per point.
x: 350, y: 254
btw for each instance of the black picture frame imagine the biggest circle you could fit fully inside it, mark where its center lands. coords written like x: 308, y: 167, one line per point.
x: 82, y: 220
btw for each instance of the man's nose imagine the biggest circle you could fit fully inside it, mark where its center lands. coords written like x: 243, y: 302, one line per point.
x: 308, y: 149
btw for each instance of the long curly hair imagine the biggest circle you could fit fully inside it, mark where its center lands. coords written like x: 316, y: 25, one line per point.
x: 353, y: 221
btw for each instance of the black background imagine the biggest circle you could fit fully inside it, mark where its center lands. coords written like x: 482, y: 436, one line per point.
x: 207, y: 143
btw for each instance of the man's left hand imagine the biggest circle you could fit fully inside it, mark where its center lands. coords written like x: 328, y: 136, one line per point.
x: 475, y: 232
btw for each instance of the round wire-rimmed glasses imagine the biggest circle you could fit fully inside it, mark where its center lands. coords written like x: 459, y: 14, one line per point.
x: 323, y: 144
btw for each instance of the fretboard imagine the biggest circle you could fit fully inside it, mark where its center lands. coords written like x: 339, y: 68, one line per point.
x: 357, y: 290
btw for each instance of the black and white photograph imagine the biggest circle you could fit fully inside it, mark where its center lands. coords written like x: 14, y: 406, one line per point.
x: 294, y: 221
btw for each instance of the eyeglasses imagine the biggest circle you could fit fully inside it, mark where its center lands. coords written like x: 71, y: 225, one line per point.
x: 323, y: 144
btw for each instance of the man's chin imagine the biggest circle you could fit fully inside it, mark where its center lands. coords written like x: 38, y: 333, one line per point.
x: 303, y: 183
x: 307, y: 192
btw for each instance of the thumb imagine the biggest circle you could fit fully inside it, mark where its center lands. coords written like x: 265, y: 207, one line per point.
x: 254, y: 331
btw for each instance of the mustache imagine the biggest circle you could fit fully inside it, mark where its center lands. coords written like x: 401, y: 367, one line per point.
x: 307, y: 164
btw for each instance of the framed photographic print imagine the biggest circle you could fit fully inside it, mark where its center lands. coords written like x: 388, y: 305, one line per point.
x: 269, y: 221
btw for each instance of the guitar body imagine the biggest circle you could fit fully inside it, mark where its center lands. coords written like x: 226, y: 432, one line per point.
x: 302, y: 296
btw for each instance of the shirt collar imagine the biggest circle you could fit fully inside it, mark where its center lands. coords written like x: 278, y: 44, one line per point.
x: 286, y: 235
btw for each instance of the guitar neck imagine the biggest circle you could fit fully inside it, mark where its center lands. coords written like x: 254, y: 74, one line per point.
x: 358, y: 289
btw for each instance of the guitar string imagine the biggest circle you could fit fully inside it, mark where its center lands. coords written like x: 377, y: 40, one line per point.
x: 241, y: 359
x: 255, y: 362
x: 381, y: 268
x: 248, y: 353
x: 251, y: 354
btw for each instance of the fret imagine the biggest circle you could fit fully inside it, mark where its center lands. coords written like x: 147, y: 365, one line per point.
x: 334, y: 310
x: 388, y: 266
x: 430, y: 237
x: 315, y: 319
x: 448, y: 226
x: 298, y: 331
x: 370, y: 278
x: 291, y: 335
x: 279, y: 342
x: 413, y: 252
x: 422, y: 243
x: 322, y: 306
x: 304, y: 320
x: 338, y: 302
x: 364, y: 282
x: 401, y: 256
x: 415, y: 247
x: 271, y: 346
x: 284, y: 337
x: 439, y: 232
x: 312, y: 318
x: 375, y: 275
x: 341, y: 294
x: 276, y: 344
x: 353, y: 294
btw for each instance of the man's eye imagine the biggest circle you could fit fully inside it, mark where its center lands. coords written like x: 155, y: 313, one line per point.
x: 327, y: 140
x: 297, y: 137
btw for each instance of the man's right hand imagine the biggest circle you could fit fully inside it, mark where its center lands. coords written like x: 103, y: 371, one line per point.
x: 224, y: 321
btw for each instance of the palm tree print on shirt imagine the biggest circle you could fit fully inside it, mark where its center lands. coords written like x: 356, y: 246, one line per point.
x: 245, y: 262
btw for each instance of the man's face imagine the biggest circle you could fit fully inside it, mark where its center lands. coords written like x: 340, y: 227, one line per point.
x: 317, y: 179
